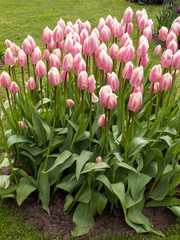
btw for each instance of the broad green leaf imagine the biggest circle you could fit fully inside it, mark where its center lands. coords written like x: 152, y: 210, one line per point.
x: 68, y: 201
x: 81, y: 160
x: 8, y: 116
x: 126, y: 166
x: 7, y: 191
x: 175, y: 210
x: 45, y: 100
x: 136, y: 145
x: 105, y: 181
x: 23, y: 190
x: 34, y: 150
x: 29, y: 178
x: 4, y: 181
x: 70, y: 183
x: 93, y: 203
x: 83, y: 219
x: 119, y: 191
x: 166, y: 202
x: 44, y: 190
x: 96, y: 167
x: 2, y: 158
x: 167, y: 139
x: 17, y: 139
x: 85, y: 195
x: 61, y: 159
x: 101, y: 204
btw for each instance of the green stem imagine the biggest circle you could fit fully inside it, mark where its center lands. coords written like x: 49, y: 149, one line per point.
x: 22, y: 69
x: 90, y: 124
x: 127, y: 136
x: 47, y: 67
x: 65, y: 88
x: 160, y: 99
x: 57, y: 182
x: 108, y: 127
x: 105, y: 126
x: 7, y: 152
x: 52, y: 133
x: 150, y: 110
x: 102, y: 77
x: 41, y: 95
x: 28, y: 65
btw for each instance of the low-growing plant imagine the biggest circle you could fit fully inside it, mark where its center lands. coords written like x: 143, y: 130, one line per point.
x: 118, y: 150
x: 149, y: 1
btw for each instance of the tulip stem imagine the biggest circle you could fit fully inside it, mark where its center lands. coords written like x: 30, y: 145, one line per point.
x: 127, y: 136
x: 76, y: 90
x: 7, y: 152
x: 47, y: 67
x: 90, y: 124
x: 82, y: 113
x: 65, y: 88
x: 9, y: 71
x: 108, y: 128
x: 150, y: 109
x: 23, y: 78
x: 28, y: 65
x: 9, y: 100
x: 102, y: 77
x: 41, y: 94
x: 105, y: 127
x: 160, y: 99
x: 52, y: 132
x: 119, y: 71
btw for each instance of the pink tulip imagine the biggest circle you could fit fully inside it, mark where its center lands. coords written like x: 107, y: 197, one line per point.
x: 173, y: 45
x: 108, y: 68
x: 101, y: 24
x: 103, y: 94
x: 124, y: 38
x: 15, y: 49
x: 68, y: 45
x: 5, y: 80
x: 158, y: 50
x: 143, y: 22
x: 139, y: 15
x: 62, y: 24
x: 46, y: 35
x: 128, y: 15
x: 170, y: 37
x: 128, y: 54
x: 81, y: 66
x: 105, y: 34
x: 155, y: 87
x: 27, y: 48
x: 87, y: 26
x: 9, y: 57
x: 31, y: 83
x: 83, y: 80
x: 147, y: 33
x: 176, y: 60
x: 47, y: 54
x: 54, y: 76
x: 51, y: 45
x: 175, y: 27
x: 99, y: 159
x: 22, y: 59
x: 109, y: 21
x: 163, y: 32
x: 174, y: 73
x: 36, y: 55
x: 14, y: 88
x: 138, y: 89
x: 87, y: 48
x: 166, y: 58
x: 40, y: 69
x: 58, y: 34
x: 94, y: 42
x: 55, y: 61
x: 111, y: 101
x: 113, y: 81
x: 116, y: 29
x: 120, y: 56
x: 83, y: 35
x: 127, y: 70
x: 150, y: 24
x: 77, y: 59
x: 113, y: 52
x: 166, y: 82
x: 98, y: 52
x: 68, y: 63
x: 135, y: 102
x: 64, y: 75
x: 91, y: 84
x: 61, y: 45
x: 101, y: 120
x: 32, y: 42
x: 143, y: 60
x: 130, y: 28
x: 137, y: 77
x: 77, y: 48
x: 57, y: 52
x: 96, y: 31
x: 68, y: 29
x: 70, y: 103
x: 79, y: 23
x: 103, y: 61
x: 22, y: 124
x: 155, y: 74
x: 8, y: 43
x: 142, y: 49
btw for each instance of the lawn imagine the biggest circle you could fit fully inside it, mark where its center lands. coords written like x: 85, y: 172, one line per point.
x: 22, y: 18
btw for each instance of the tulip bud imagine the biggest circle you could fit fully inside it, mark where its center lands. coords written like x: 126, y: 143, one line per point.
x: 77, y: 59
x: 5, y: 80
x: 135, y: 102
x: 64, y: 75
x: 173, y: 46
x: 51, y: 45
x: 47, y: 54
x: 54, y: 76
x: 166, y: 58
x: 163, y: 32
x: 32, y: 42
x: 127, y: 70
x: 103, y: 94
x: 70, y: 103
x: 130, y: 28
x: 46, y: 36
x: 157, y: 50
x: 113, y: 52
x: 124, y: 38
x: 111, y: 101
x: 36, y: 55
x: 166, y: 82
x: 137, y: 77
x: 8, y: 43
x: 147, y: 33
x: 57, y: 52
x: 120, y: 56
x: 68, y: 45
x: 138, y: 89
x: 99, y: 159
x: 58, y: 34
x: 155, y: 74
x: 113, y: 81
x: 108, y: 68
x: 142, y: 49
x: 94, y: 98
x: 83, y: 35
x: 105, y: 34
x: 27, y: 48
x: 31, y: 83
x: 83, y: 80
x: 155, y: 87
x: 68, y: 63
x: 176, y: 60
x: 109, y: 21
x: 174, y: 73
x: 128, y: 15
x: 94, y: 42
x: 175, y: 27
x: 14, y: 88
x: 91, y: 84
x: 21, y: 124
x: 40, y: 69
x: 54, y: 61
x: 143, y: 60
x: 115, y: 29
x: 128, y: 54
x: 170, y: 37
x: 101, y: 120
x: 22, y: 59
x: 9, y: 57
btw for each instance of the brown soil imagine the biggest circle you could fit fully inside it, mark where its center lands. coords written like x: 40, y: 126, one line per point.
x: 60, y: 223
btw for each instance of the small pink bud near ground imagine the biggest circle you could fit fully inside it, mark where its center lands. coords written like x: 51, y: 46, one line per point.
x: 70, y: 102
x: 21, y: 124
x: 99, y: 159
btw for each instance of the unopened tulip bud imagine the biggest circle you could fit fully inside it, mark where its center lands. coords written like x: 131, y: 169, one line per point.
x: 55, y: 61
x: 120, y: 56
x: 155, y: 87
x: 158, y: 50
x: 68, y: 63
x: 9, y: 57
x: 176, y: 60
x: 173, y: 46
x: 166, y: 58
x: 109, y: 66
x: 21, y: 124
x: 46, y: 36
x: 91, y: 84
x: 22, y: 59
x: 83, y: 35
x: 155, y: 74
x: 174, y: 73
x: 147, y: 33
x: 99, y: 159
x: 58, y: 34
x: 105, y: 34
x: 128, y: 15
x: 81, y: 66
x: 115, y: 29
x: 124, y: 38
x: 54, y: 76
x: 70, y: 102
x: 77, y: 59
x: 127, y: 70
x: 57, y: 52
x: 101, y: 120
x: 47, y: 54
x: 83, y: 80
x: 137, y: 77
x: 94, y: 42
x: 94, y: 98
x: 109, y: 21
x: 128, y: 54
x: 51, y: 45
x: 5, y: 80
x: 40, y: 69
x: 170, y: 37
x: 130, y: 28
x: 113, y: 81
x: 163, y: 32
x: 113, y: 52
x: 27, y: 48
x: 68, y: 45
x: 31, y: 83
x: 166, y: 82
x: 143, y: 60
x: 8, y: 43
x: 135, y: 102
x: 32, y: 42
x: 142, y: 49
x: 103, y: 94
x: 14, y: 88
x: 138, y: 89
x: 111, y: 101
x: 36, y: 55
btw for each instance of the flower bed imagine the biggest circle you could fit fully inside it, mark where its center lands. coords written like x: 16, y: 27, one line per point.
x: 94, y: 119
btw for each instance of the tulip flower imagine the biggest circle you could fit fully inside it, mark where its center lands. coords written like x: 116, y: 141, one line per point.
x: 155, y: 74
x: 55, y: 61
x: 115, y: 29
x: 68, y: 45
x: 5, y: 80
x: 130, y: 28
x: 77, y: 59
x: 94, y: 42
x: 166, y: 58
x: 147, y: 33
x: 113, y: 52
x: 124, y: 38
x: 166, y: 82
x: 15, y: 49
x: 31, y: 83
x: 83, y: 35
x: 143, y: 61
x: 163, y: 32
x: 128, y: 54
x: 111, y: 101
x: 99, y: 159
x: 109, y: 21
x: 32, y: 42
x: 27, y: 48
x: 52, y: 45
x: 170, y: 37
x: 128, y: 15
x: 175, y: 27
x: 176, y: 60
x: 113, y: 81
x: 70, y: 103
x: 158, y: 50
x: 64, y: 75
x: 103, y: 94
x: 173, y: 45
x: 68, y: 63
x: 83, y: 80
x: 8, y: 43
x: 91, y: 86
x: 137, y: 77
x: 135, y: 102
x: 127, y: 70
x: 46, y: 35
x: 13, y: 88
x: 138, y: 89
x: 22, y: 59
x: 154, y: 87
x: 47, y: 54
x: 21, y: 124
x: 142, y: 49
x: 101, y: 120
x: 58, y: 34
x: 105, y: 34
x: 9, y: 57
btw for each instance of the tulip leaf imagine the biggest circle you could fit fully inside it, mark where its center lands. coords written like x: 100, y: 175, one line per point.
x: 44, y: 190
x: 101, y: 204
x: 7, y: 191
x: 105, y: 181
x: 17, y: 139
x: 166, y: 202
x: 96, y: 167
x: 175, y: 210
x: 136, y: 145
x: 81, y: 160
x: 4, y: 181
